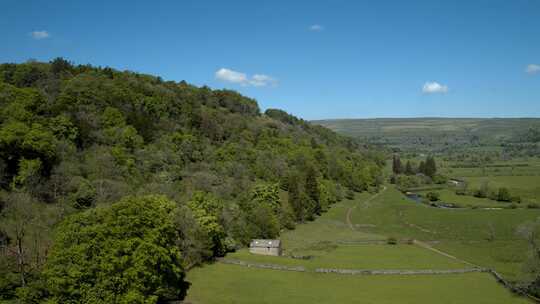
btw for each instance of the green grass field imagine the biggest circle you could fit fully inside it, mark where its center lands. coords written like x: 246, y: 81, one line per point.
x: 220, y: 283
x: 462, y: 233
x: 528, y: 187
x: 465, y: 201
x: 362, y: 257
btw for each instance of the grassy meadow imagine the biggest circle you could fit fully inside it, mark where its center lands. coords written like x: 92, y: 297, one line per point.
x: 527, y: 187
x: 486, y: 238
x: 220, y: 283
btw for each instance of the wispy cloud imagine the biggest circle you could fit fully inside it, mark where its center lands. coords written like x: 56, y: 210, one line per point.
x: 38, y: 35
x: 257, y: 80
x: 316, y: 28
x: 532, y: 68
x: 434, y: 87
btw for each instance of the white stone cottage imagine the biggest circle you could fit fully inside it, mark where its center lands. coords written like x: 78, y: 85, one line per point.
x: 266, y: 247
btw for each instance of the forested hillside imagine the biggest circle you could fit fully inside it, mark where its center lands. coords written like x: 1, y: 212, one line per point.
x: 199, y: 170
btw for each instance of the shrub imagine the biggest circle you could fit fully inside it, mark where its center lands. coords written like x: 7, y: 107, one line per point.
x: 392, y: 241
x: 533, y: 206
x: 433, y: 196
x: 503, y: 195
x: 461, y: 192
x: 349, y: 194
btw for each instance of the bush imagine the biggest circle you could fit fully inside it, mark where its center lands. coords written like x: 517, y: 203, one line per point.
x: 504, y: 195
x: 349, y: 194
x: 440, y: 179
x: 433, y: 196
x: 480, y: 193
x: 533, y: 206
x: 392, y: 241
x: 461, y: 192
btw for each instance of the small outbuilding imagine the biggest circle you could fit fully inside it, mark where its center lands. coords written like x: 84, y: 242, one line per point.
x: 265, y: 247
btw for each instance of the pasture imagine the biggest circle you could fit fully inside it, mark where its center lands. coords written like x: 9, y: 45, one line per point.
x: 220, y: 283
x: 528, y: 187
x: 466, y: 201
x: 485, y: 238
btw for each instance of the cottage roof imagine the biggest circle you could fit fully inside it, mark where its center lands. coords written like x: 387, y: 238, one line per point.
x: 265, y: 243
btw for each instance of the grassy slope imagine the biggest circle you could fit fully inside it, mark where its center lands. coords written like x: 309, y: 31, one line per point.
x: 462, y: 233
x: 389, y: 214
x: 396, y: 127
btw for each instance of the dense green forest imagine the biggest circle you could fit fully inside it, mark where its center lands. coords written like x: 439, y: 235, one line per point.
x: 113, y: 183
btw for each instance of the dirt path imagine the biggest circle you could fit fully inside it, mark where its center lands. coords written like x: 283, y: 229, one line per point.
x: 366, y: 205
x: 417, y: 242
x: 428, y: 247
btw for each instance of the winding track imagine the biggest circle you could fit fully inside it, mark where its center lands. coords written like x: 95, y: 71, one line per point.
x: 366, y: 205
x: 416, y: 242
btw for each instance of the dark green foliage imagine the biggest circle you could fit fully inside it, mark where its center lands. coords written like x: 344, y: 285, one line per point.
x: 60, y: 65
x: 313, y: 191
x: 430, y: 168
x: 408, y: 168
x: 483, y: 191
x: 397, y: 168
x: 118, y: 254
x: 503, y: 195
x: 432, y: 196
x: 392, y: 241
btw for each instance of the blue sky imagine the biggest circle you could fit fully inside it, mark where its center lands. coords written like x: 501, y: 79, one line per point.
x: 315, y: 59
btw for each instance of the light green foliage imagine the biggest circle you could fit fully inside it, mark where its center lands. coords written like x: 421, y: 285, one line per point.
x: 29, y: 173
x: 112, y: 117
x: 117, y: 254
x: 206, y: 210
x: 102, y: 134
x: 267, y: 194
x: 62, y: 127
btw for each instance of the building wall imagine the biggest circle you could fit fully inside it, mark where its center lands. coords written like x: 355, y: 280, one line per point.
x: 265, y: 250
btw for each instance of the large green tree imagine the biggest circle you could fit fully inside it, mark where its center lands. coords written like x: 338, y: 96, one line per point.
x: 124, y: 253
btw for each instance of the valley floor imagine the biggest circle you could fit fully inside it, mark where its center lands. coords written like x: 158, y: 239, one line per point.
x: 352, y: 236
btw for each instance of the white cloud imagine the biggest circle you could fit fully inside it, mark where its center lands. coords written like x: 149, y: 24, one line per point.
x: 316, y: 28
x: 434, y: 87
x: 533, y: 68
x: 38, y: 35
x: 231, y: 76
x: 257, y: 80
x: 261, y: 80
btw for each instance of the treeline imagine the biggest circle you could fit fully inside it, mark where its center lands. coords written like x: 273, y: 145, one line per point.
x: 501, y: 194
x: 73, y: 137
x: 427, y: 167
x: 412, y: 175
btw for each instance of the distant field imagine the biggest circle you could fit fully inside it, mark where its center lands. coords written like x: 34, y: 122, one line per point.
x: 497, y: 128
x: 222, y: 284
x: 449, y: 196
x: 433, y: 134
x: 528, y: 187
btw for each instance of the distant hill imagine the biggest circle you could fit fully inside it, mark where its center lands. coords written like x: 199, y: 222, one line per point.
x: 436, y: 133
